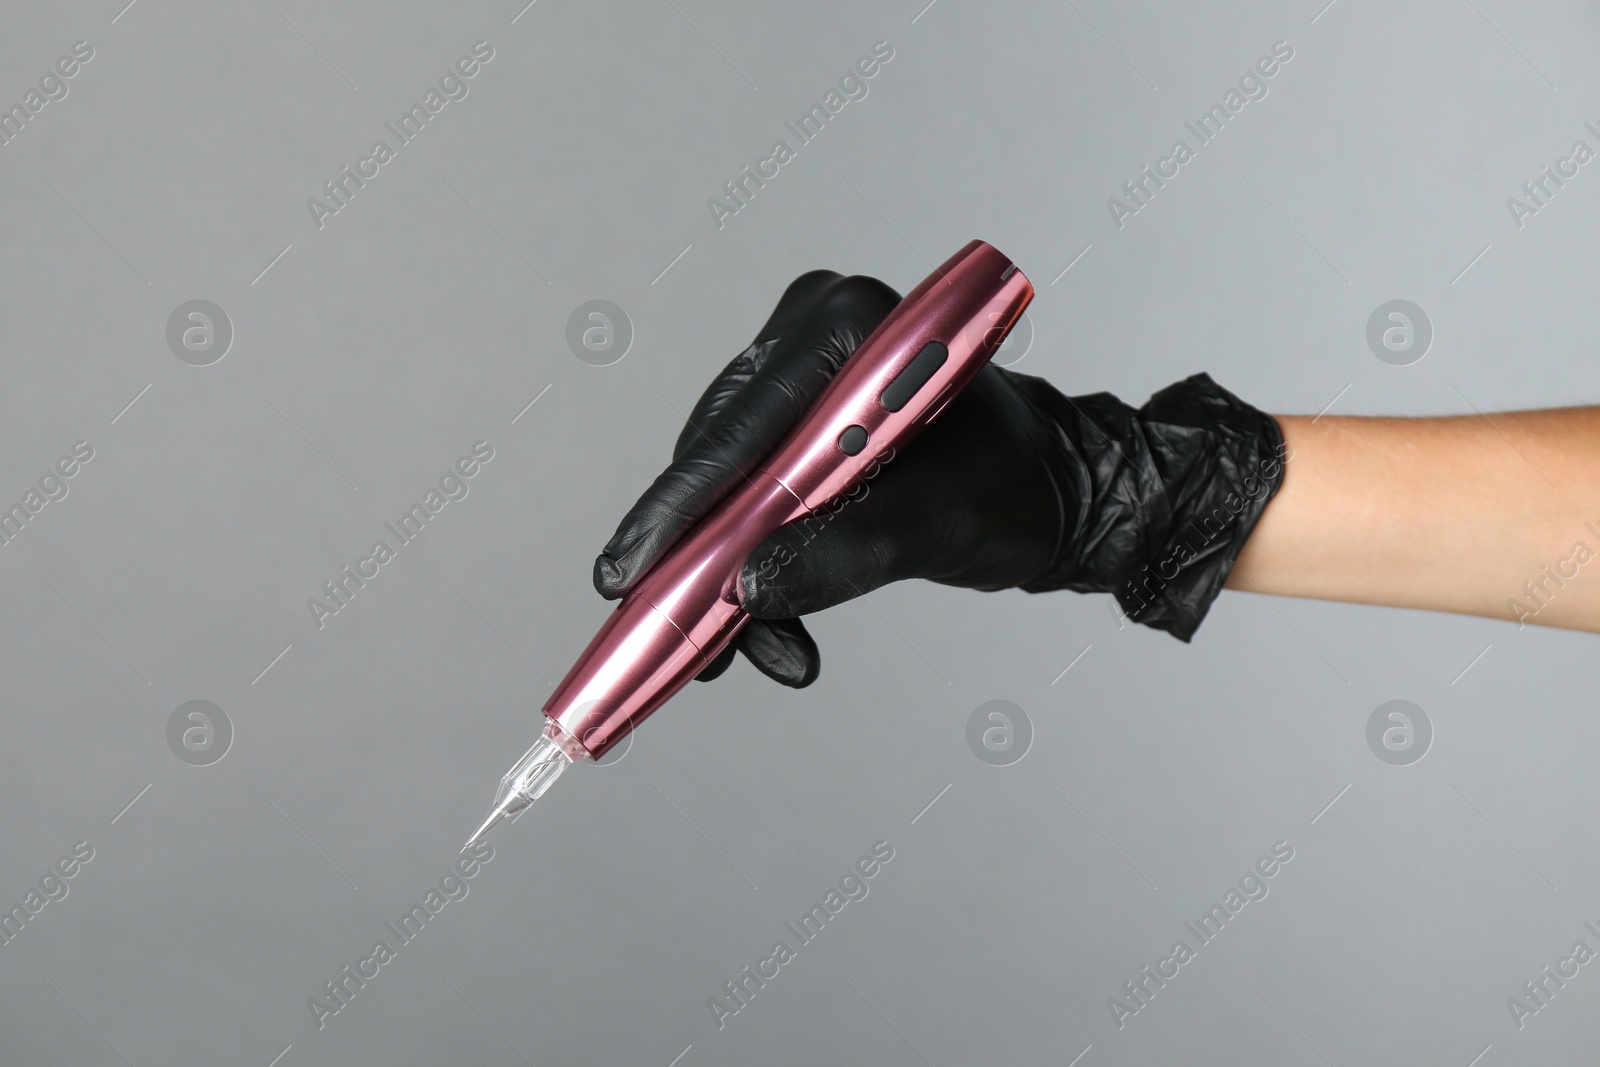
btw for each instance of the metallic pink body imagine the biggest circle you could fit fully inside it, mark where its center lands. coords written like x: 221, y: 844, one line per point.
x: 686, y: 609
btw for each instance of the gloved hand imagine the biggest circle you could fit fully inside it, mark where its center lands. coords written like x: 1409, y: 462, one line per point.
x: 1013, y: 485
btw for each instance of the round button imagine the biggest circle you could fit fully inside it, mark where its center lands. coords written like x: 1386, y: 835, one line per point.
x: 853, y: 440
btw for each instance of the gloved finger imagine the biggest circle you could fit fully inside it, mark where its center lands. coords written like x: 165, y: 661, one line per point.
x: 825, y: 559
x: 782, y: 650
x: 756, y: 403
x: 797, y: 300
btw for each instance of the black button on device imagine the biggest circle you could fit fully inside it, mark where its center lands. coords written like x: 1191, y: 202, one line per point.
x: 923, y: 365
x: 853, y: 440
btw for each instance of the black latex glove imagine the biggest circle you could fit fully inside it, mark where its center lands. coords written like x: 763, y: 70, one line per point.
x: 1013, y: 485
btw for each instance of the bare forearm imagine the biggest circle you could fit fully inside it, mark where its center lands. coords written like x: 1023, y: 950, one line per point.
x: 1444, y: 514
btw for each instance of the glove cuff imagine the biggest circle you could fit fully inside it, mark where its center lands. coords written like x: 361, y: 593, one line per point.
x: 1167, y: 495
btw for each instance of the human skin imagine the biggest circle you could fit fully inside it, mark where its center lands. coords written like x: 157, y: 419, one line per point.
x: 1442, y: 514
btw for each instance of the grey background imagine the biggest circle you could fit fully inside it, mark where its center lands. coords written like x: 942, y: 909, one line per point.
x: 378, y: 349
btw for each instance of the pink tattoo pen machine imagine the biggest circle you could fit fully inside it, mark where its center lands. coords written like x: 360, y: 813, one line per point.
x: 686, y: 608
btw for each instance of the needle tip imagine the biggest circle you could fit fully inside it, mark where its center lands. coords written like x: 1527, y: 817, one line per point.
x: 494, y: 816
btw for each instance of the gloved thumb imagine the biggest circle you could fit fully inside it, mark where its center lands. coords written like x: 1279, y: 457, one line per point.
x: 837, y: 553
